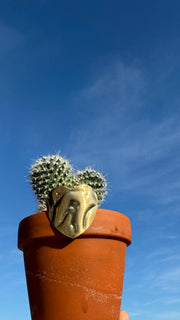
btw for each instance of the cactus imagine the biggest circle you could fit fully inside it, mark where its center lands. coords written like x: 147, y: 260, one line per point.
x: 95, y: 180
x: 52, y: 171
x: 49, y: 172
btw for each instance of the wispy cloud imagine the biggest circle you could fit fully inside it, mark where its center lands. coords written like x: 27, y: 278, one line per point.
x: 11, y: 257
x: 9, y: 37
x: 133, y: 314
x: 138, y: 151
x: 162, y: 256
x: 107, y: 102
x: 6, y: 230
x: 170, y: 278
x: 161, y: 279
x: 173, y: 315
x: 119, y: 86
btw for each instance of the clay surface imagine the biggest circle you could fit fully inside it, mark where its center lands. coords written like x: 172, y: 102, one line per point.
x: 80, y: 279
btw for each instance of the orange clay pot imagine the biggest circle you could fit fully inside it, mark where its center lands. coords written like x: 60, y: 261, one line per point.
x: 80, y: 279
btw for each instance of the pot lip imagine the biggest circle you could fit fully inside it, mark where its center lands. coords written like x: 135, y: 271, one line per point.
x: 107, y: 224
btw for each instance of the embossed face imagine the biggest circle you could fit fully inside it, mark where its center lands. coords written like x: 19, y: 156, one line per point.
x: 73, y: 211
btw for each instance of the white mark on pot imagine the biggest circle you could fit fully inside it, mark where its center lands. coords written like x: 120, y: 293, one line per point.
x: 96, y: 294
x: 33, y: 309
x: 96, y: 229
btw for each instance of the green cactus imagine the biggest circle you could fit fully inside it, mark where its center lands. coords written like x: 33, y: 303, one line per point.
x: 52, y: 171
x: 49, y: 172
x: 95, y: 180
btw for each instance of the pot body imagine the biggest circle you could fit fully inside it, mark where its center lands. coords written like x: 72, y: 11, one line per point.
x: 78, y: 279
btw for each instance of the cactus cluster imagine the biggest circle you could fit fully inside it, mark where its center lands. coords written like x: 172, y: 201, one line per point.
x: 95, y: 180
x: 51, y: 171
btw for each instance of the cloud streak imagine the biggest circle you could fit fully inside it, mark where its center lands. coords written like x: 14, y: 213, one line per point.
x: 118, y: 87
x: 9, y: 38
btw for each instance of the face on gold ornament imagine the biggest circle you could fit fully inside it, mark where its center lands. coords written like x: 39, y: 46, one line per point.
x: 72, y: 210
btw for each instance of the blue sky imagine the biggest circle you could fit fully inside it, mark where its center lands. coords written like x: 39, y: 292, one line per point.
x: 99, y: 81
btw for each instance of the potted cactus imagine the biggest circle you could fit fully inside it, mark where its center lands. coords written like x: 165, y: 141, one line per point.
x: 74, y: 252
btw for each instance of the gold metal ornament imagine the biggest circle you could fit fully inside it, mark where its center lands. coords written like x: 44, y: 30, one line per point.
x: 72, y: 210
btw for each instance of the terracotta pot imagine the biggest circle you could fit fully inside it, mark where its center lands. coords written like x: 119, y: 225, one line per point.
x: 75, y: 279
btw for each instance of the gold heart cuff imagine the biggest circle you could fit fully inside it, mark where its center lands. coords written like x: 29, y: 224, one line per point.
x: 72, y: 210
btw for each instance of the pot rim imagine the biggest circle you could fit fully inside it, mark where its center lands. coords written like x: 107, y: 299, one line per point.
x: 107, y: 224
